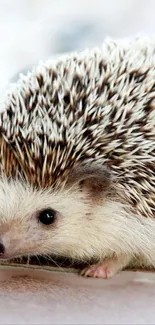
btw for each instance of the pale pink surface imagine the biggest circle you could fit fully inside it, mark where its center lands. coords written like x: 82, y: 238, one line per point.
x: 63, y: 298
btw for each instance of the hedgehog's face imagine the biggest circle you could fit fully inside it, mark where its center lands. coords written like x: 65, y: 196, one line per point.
x: 65, y: 223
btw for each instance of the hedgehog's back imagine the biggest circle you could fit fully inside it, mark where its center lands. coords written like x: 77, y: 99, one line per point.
x: 96, y: 105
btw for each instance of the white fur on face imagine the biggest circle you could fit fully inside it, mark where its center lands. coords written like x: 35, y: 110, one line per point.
x: 81, y: 230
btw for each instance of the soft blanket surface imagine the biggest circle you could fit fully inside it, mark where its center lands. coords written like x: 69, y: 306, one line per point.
x: 42, y: 297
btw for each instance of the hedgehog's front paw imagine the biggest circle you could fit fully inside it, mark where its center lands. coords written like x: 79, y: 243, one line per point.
x: 107, y: 269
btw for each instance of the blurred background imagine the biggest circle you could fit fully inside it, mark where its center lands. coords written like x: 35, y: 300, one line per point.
x: 34, y: 30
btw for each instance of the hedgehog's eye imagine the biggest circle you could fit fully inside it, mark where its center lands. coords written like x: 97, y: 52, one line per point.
x: 47, y: 216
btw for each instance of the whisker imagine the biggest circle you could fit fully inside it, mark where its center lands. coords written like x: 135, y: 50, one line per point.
x: 52, y: 260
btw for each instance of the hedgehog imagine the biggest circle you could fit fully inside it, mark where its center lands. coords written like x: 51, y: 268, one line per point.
x: 77, y: 163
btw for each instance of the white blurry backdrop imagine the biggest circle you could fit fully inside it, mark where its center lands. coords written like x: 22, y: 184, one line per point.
x: 34, y: 30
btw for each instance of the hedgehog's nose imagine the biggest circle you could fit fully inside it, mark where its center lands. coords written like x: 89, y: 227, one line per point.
x: 2, y: 250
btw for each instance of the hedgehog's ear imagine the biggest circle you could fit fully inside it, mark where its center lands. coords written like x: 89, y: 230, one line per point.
x: 95, y: 179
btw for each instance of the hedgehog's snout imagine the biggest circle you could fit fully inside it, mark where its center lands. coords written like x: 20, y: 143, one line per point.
x: 2, y: 250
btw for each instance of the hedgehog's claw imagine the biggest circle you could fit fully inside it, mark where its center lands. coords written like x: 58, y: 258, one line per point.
x: 99, y: 271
